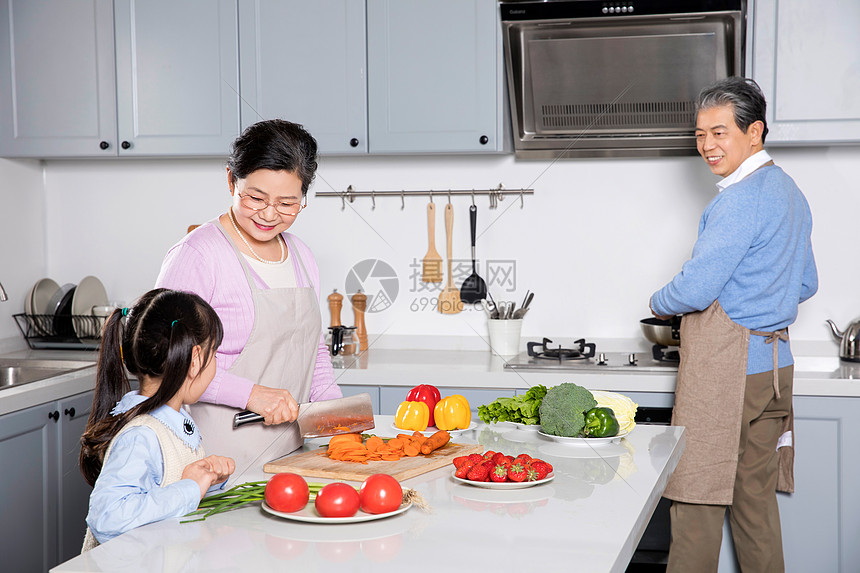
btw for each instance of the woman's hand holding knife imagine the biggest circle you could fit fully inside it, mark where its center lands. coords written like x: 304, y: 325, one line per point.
x: 275, y: 405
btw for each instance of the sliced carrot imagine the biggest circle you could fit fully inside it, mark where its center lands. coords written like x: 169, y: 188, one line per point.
x: 411, y: 450
x: 373, y: 443
x: 345, y: 437
x: 390, y: 457
x: 395, y: 443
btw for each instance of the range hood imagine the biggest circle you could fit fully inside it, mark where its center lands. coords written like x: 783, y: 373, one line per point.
x: 615, y: 79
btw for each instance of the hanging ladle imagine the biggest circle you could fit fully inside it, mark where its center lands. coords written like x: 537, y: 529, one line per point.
x: 474, y: 288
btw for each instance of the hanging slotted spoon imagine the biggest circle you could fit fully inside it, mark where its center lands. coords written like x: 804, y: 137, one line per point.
x: 474, y: 288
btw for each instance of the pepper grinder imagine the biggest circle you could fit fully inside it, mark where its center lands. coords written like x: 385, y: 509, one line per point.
x: 339, y: 339
x: 359, y: 304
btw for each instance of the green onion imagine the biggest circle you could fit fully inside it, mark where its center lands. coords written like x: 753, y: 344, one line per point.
x: 236, y: 497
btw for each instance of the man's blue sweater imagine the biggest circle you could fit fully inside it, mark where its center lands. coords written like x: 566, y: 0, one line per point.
x: 754, y: 255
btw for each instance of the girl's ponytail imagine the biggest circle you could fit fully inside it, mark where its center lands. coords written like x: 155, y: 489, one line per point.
x: 111, y: 384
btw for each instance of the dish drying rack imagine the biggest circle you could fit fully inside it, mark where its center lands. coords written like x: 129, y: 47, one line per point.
x: 60, y: 332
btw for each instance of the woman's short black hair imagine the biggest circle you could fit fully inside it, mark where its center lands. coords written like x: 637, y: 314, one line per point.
x: 745, y: 97
x: 278, y: 145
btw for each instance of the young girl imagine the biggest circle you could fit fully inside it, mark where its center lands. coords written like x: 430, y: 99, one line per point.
x: 141, y: 450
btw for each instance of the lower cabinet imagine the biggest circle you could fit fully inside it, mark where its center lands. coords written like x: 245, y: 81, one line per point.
x: 43, y: 496
x: 820, y: 520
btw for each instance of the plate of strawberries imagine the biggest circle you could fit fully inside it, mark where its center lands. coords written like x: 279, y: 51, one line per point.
x: 495, y: 470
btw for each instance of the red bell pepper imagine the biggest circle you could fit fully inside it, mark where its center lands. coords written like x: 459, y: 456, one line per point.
x: 427, y: 394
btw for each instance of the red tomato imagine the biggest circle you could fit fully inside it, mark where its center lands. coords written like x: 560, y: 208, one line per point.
x: 287, y: 492
x: 380, y: 493
x: 337, y: 500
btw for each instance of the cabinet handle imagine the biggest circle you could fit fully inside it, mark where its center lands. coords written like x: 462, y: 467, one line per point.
x: 70, y: 412
x: 55, y: 416
x: 104, y: 145
x: 353, y: 142
x: 484, y: 140
x: 125, y: 144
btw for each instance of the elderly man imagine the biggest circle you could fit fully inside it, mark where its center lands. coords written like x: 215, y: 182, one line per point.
x: 752, y: 265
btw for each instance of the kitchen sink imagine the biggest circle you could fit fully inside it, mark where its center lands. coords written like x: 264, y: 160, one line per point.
x: 17, y: 371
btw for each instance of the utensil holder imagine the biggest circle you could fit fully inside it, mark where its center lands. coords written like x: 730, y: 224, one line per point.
x: 505, y: 336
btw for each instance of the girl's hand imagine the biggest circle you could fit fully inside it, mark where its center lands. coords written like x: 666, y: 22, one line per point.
x: 275, y: 405
x: 209, y: 471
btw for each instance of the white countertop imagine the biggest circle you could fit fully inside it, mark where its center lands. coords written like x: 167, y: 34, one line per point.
x: 592, y: 515
x: 814, y: 375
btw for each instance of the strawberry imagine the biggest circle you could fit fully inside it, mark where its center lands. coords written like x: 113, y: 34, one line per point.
x: 488, y: 455
x: 525, y: 457
x: 475, y: 458
x: 464, y: 469
x: 531, y: 474
x: 509, y: 459
x: 499, y: 473
x: 498, y: 457
x: 540, y: 467
x: 516, y: 472
x: 479, y: 472
x: 459, y: 461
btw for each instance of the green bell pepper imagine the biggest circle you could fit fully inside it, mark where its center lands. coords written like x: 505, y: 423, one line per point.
x: 600, y: 422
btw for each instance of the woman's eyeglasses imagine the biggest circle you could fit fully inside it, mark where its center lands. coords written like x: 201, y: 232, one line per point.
x: 258, y: 204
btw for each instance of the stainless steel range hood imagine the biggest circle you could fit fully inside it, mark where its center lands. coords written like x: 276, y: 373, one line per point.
x: 587, y: 82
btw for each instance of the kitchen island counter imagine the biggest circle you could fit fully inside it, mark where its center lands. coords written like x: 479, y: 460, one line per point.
x: 590, y: 516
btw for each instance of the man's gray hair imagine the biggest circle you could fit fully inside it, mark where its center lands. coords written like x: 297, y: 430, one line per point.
x: 745, y: 97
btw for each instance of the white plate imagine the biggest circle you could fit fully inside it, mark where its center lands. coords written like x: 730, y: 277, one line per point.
x: 588, y: 442
x: 309, y: 514
x: 503, y: 484
x: 433, y: 429
x: 90, y: 292
x: 40, y: 295
x: 525, y: 427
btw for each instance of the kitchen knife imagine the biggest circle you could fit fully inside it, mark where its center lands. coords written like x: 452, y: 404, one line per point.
x: 326, y: 417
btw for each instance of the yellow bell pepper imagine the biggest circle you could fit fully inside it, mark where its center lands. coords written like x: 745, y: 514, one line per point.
x: 412, y: 416
x: 452, y: 413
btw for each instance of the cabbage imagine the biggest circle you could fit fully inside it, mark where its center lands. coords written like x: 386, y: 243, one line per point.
x: 623, y: 407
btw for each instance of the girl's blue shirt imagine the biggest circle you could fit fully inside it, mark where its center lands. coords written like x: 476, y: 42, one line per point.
x: 128, y: 491
x: 754, y: 255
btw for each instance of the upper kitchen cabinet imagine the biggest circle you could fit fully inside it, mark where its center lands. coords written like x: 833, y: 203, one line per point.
x: 57, y: 88
x: 95, y: 78
x: 435, y: 76
x: 177, y: 76
x: 305, y: 61
x: 806, y: 57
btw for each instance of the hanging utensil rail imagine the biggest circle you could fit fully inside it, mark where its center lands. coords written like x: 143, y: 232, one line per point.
x: 495, y: 195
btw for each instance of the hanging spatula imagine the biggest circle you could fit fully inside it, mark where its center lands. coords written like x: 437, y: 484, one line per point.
x: 431, y: 266
x: 474, y: 288
x: 449, y: 298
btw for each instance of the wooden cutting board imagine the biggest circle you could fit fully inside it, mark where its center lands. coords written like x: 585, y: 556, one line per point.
x: 315, y: 464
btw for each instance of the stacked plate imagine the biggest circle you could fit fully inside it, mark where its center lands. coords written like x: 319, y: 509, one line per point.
x: 69, y: 310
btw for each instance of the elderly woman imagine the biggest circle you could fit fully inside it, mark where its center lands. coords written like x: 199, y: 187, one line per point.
x: 264, y: 284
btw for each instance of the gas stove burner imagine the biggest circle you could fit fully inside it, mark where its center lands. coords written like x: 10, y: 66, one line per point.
x: 663, y: 354
x: 542, y: 350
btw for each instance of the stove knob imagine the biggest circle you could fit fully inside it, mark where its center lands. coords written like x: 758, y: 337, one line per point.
x: 631, y: 360
x: 601, y: 359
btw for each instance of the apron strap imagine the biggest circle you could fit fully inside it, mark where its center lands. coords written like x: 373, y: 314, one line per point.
x: 295, y: 252
x: 772, y: 338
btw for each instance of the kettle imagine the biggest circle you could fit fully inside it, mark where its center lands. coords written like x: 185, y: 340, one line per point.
x: 849, y: 341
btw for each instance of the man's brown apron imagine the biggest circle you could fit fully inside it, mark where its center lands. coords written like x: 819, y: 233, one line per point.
x: 709, y: 401
x: 280, y: 353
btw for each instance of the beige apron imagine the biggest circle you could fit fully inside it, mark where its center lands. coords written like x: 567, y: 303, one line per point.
x: 709, y: 402
x: 280, y: 353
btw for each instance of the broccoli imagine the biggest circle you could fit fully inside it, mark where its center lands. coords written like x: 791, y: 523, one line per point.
x: 562, y: 412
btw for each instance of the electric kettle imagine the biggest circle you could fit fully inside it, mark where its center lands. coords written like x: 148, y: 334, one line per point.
x: 849, y: 341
